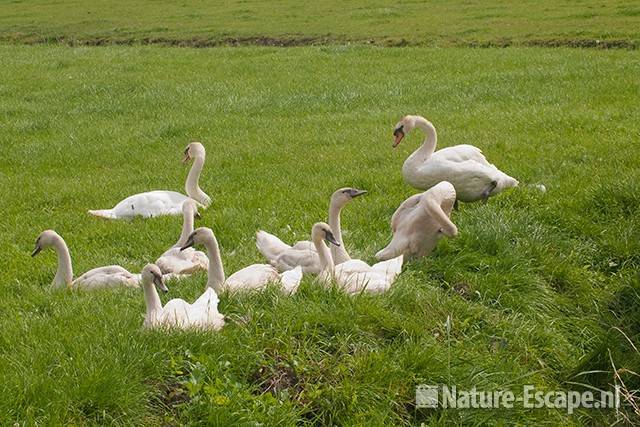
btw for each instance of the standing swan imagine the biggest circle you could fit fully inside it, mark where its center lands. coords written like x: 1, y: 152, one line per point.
x: 177, y: 313
x: 473, y: 177
x: 161, y: 202
x: 420, y: 221
x: 177, y: 262
x: 353, y: 276
x: 285, y: 257
x: 253, y: 277
x: 102, y: 277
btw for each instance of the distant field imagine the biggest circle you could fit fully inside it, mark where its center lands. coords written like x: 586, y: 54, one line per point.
x: 432, y: 23
x: 536, y: 284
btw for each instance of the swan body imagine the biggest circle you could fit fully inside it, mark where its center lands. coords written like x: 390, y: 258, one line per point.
x: 420, y: 222
x: 464, y: 166
x: 303, y: 253
x: 177, y: 313
x: 353, y: 276
x: 181, y: 263
x: 112, y: 276
x: 253, y: 277
x: 160, y: 202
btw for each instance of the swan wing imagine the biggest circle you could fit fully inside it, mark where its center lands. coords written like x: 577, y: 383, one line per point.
x: 309, y: 261
x: 149, y: 204
x: 305, y: 245
x: 390, y: 268
x: 175, y: 314
x: 204, y: 313
x: 189, y: 261
x: 291, y: 280
x: 352, y: 266
x: 111, y: 276
x: 255, y: 276
x: 270, y: 246
x: 461, y: 153
x: 405, y: 208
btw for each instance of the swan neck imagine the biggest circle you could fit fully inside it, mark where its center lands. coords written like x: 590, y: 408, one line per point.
x: 187, y: 228
x: 215, y: 275
x: 339, y: 253
x: 152, y: 300
x: 64, y: 274
x: 429, y: 144
x: 326, y: 260
x: 192, y: 186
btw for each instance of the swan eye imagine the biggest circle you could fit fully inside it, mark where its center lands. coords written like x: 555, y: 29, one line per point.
x: 398, y: 130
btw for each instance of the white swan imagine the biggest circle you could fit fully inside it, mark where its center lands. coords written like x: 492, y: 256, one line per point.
x: 177, y: 313
x: 473, y: 177
x: 161, y: 202
x: 102, y: 277
x: 353, y: 276
x: 303, y: 253
x: 420, y: 221
x: 177, y: 262
x: 253, y: 277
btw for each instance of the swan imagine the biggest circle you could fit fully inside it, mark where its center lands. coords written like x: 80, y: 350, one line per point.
x: 202, y: 314
x: 473, y: 177
x: 353, y: 276
x: 102, y: 277
x: 161, y: 202
x: 420, y: 221
x: 303, y: 253
x: 253, y: 277
x: 177, y: 262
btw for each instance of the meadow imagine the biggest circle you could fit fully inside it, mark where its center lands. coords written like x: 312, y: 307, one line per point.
x: 539, y: 287
x: 287, y: 22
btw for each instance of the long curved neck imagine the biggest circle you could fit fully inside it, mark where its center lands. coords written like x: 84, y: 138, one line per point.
x: 192, y: 186
x: 339, y: 253
x: 215, y: 275
x: 64, y: 274
x: 151, y: 299
x: 428, y: 146
x: 434, y: 209
x: 187, y: 228
x: 326, y: 261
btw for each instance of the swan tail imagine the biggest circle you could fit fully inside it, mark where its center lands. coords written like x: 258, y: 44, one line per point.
x: 270, y: 246
x: 103, y: 213
x: 291, y: 280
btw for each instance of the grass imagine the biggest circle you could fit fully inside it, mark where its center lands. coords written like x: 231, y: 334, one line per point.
x: 613, y: 23
x: 544, y: 279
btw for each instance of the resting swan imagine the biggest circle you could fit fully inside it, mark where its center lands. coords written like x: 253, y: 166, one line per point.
x: 161, y: 202
x: 103, y: 277
x: 177, y: 262
x: 353, y: 276
x: 303, y: 253
x: 420, y: 221
x: 253, y: 277
x: 177, y: 313
x: 464, y: 166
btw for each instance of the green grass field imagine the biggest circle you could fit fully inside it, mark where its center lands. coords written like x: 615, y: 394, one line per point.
x: 540, y: 288
x: 432, y: 23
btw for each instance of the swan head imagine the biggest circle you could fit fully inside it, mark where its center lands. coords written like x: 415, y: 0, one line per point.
x: 193, y: 150
x: 151, y: 275
x: 190, y: 207
x: 45, y: 240
x: 403, y: 127
x: 199, y: 236
x: 344, y: 195
x: 322, y: 231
